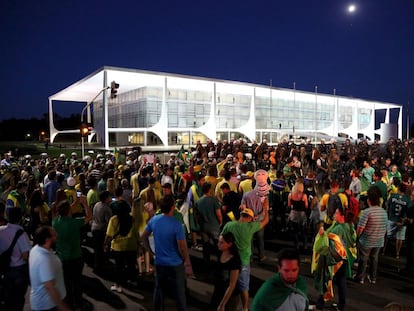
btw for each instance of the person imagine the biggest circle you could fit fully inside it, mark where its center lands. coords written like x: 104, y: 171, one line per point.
x: 409, y: 264
x: 331, y: 202
x: 171, y: 254
x: 243, y: 231
x: 68, y: 248
x: 286, y: 290
x: 298, y: 201
x: 46, y: 273
x: 208, y: 214
x: 231, y: 204
x: 335, y: 265
x: 255, y: 201
x: 101, y: 214
x: 371, y: 230
x: 17, y: 198
x: 397, y: 206
x: 226, y: 273
x: 16, y: 279
x: 122, y: 235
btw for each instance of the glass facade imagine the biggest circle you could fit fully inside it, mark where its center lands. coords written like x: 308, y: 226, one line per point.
x: 169, y: 110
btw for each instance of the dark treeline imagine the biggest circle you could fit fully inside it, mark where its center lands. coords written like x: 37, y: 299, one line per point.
x: 31, y: 129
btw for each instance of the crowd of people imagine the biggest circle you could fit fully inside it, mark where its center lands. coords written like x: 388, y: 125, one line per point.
x: 218, y: 198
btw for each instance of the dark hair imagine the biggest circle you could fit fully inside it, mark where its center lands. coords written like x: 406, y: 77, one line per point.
x: 374, y: 195
x: 287, y: 254
x: 42, y: 234
x: 92, y: 182
x: 119, y: 191
x: 229, y: 238
x: 36, y: 198
x: 21, y: 185
x: 206, y: 188
x: 15, y: 215
x: 225, y: 186
x: 124, y: 218
x: 63, y: 208
x: 104, y: 195
x: 166, y: 203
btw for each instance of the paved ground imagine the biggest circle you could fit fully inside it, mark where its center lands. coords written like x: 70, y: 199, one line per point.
x: 391, y: 286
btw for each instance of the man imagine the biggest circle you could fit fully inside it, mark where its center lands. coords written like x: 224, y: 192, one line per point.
x: 286, y: 290
x: 397, y: 207
x: 46, y: 274
x: 231, y: 204
x: 209, y: 217
x: 355, y: 185
x: 16, y: 278
x: 170, y: 254
x: 331, y: 202
x: 243, y: 231
x: 254, y: 200
x: 371, y: 231
x: 51, y: 187
x: 68, y: 248
x: 151, y: 194
x: 100, y: 218
x: 17, y: 198
x: 368, y: 172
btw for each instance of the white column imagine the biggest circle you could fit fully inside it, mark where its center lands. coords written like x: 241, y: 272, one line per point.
x: 400, y: 122
x: 52, y: 130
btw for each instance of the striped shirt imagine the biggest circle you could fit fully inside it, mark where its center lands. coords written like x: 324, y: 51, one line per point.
x: 373, y: 221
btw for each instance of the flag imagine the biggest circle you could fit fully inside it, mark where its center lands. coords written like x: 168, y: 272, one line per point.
x: 181, y: 154
x: 116, y: 155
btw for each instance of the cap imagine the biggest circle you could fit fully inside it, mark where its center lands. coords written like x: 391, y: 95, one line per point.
x: 71, y: 181
x: 248, y: 212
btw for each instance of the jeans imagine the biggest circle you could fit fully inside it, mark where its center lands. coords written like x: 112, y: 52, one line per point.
x: 98, y: 247
x: 173, y: 276
x: 210, y: 239
x: 125, y: 266
x: 259, y: 235
x: 72, y: 273
x: 365, y: 254
x: 16, y: 281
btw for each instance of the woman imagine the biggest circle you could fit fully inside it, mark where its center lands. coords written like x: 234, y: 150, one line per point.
x: 226, y: 293
x: 298, y: 201
x: 123, y: 236
x: 336, y: 265
x: 38, y: 211
x: 141, y: 218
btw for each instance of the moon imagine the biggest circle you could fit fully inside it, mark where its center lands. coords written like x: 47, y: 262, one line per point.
x: 351, y: 8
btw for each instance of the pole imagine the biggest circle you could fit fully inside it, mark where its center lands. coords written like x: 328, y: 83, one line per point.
x: 83, y: 147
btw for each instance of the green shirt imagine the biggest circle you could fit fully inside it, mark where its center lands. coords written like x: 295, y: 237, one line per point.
x: 243, y: 233
x: 68, y: 244
x: 274, y: 293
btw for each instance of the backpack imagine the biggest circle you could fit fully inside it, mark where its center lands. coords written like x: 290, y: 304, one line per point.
x: 334, y: 202
x: 352, y: 211
x: 5, y: 257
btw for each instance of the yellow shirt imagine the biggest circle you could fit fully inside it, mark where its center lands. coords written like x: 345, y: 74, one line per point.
x: 120, y: 243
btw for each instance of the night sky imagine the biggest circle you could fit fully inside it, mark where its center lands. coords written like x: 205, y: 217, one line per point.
x: 48, y: 45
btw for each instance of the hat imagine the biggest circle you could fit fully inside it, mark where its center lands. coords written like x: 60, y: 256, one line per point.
x: 248, y: 212
x: 71, y: 181
x: 249, y: 174
x: 197, y: 168
x: 229, y: 156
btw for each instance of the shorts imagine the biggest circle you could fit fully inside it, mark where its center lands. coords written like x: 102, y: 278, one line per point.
x: 244, y: 278
x: 394, y: 230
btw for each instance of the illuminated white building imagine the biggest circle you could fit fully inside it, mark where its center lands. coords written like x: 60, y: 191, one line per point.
x: 167, y: 110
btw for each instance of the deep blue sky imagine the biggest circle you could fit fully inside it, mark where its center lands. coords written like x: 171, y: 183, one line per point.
x: 48, y: 44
